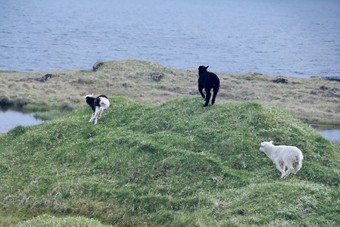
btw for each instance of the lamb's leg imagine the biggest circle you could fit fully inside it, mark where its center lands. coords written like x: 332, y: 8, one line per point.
x: 289, y: 170
x: 92, y: 117
x: 200, y: 89
x: 96, y: 115
x: 297, y: 167
x: 279, y: 168
x: 207, y: 99
x: 96, y: 118
x: 100, y: 112
x: 283, y: 167
x: 214, y: 96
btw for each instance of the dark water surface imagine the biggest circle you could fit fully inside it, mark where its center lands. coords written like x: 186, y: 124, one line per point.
x: 275, y: 37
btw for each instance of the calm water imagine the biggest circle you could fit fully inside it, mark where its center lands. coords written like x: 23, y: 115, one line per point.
x: 332, y: 134
x: 10, y: 119
x: 296, y: 38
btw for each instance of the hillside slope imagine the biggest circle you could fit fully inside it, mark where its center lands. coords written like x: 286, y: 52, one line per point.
x: 171, y: 164
x: 309, y: 99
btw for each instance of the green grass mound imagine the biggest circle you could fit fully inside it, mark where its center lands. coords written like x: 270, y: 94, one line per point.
x: 172, y: 164
x: 51, y: 221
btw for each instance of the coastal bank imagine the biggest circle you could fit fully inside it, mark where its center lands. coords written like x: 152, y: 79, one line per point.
x: 312, y: 100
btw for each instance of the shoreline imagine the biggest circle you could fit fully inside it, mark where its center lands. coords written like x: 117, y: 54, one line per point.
x: 314, y: 100
x: 330, y: 78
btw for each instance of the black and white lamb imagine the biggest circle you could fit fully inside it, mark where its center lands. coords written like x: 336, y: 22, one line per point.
x: 98, y: 105
x: 208, y: 81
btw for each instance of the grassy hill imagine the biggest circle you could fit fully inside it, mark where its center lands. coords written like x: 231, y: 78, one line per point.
x: 173, y: 164
x: 313, y: 100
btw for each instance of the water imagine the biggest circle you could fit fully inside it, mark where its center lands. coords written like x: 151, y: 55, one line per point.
x: 10, y: 119
x: 329, y: 132
x: 275, y: 37
x: 332, y: 134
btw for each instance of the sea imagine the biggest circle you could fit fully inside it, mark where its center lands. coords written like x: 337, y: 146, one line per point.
x: 298, y: 38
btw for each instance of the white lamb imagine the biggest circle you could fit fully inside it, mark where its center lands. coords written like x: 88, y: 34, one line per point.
x: 283, y: 156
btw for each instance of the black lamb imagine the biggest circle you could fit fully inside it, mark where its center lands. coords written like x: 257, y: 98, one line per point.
x: 208, y: 81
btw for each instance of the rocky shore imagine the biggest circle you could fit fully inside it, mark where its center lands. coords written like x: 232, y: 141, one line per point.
x: 332, y: 78
x: 313, y: 100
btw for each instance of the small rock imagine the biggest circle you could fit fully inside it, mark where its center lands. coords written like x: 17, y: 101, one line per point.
x: 5, y: 101
x: 332, y: 78
x: 255, y: 74
x: 281, y: 80
x: 47, y: 77
x: 97, y: 65
x: 332, y: 92
x: 156, y: 76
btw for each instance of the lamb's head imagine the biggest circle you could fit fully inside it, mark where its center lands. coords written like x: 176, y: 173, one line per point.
x: 202, y: 69
x: 91, y: 95
x: 264, y: 145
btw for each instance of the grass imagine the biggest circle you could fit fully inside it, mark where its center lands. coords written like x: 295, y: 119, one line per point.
x: 313, y: 100
x: 52, y: 221
x: 170, y: 164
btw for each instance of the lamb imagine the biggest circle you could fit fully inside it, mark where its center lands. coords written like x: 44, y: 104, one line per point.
x: 283, y: 156
x: 208, y: 81
x: 98, y: 105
